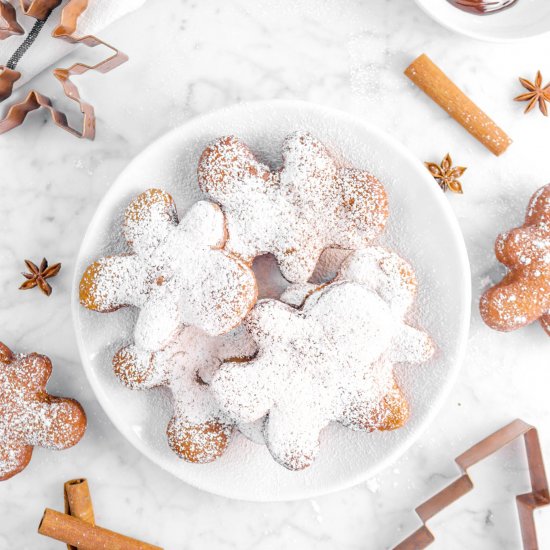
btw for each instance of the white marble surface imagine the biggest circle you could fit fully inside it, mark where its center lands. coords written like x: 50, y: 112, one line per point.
x: 195, y: 57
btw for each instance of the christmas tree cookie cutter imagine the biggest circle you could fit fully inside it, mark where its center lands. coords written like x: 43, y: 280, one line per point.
x: 527, y: 503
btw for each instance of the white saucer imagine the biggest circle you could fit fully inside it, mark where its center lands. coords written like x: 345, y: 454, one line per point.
x: 526, y: 19
x: 421, y: 227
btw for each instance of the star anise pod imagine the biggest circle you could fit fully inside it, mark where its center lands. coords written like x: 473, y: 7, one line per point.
x: 446, y: 174
x: 537, y: 93
x: 38, y: 275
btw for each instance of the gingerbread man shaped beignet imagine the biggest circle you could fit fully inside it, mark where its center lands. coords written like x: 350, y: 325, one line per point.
x: 329, y: 360
x: 29, y: 416
x: 198, y: 431
x: 310, y: 204
x: 523, y: 295
x: 177, y: 272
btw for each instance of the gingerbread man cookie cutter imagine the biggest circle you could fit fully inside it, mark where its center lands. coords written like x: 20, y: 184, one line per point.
x: 17, y: 112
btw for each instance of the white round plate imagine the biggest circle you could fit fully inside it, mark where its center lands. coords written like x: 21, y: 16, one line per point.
x: 526, y: 19
x: 421, y: 227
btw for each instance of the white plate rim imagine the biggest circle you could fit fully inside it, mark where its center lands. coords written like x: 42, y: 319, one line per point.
x: 463, y: 286
x: 477, y: 35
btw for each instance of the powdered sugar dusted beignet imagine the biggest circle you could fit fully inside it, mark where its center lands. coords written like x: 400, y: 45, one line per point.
x: 295, y: 213
x: 385, y: 272
x: 393, y: 279
x: 523, y: 295
x: 198, y: 431
x: 325, y: 362
x: 29, y: 416
x: 177, y: 273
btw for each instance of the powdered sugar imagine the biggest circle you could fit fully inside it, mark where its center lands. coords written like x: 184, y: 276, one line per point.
x: 418, y: 226
x: 186, y: 367
x: 523, y: 296
x: 386, y: 273
x: 394, y: 280
x: 29, y: 416
x: 178, y: 275
x: 296, y: 294
x: 321, y: 204
x: 325, y: 362
x: 296, y: 212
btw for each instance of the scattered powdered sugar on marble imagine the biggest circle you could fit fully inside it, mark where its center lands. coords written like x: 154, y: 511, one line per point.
x: 178, y: 274
x: 374, y: 69
x: 296, y: 212
x: 373, y: 485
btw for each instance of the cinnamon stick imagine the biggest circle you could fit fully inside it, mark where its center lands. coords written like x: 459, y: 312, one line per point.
x: 439, y: 87
x: 85, y: 536
x: 78, y: 502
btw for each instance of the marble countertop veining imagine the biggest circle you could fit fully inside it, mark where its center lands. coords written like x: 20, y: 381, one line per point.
x: 190, y: 57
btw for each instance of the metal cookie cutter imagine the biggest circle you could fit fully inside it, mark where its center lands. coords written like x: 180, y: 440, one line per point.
x: 8, y: 21
x: 65, y: 30
x: 526, y: 503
